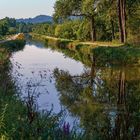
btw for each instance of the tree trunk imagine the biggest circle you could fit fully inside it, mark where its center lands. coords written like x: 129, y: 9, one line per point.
x: 113, y: 31
x: 122, y: 19
x: 93, y: 72
x: 121, y: 94
x: 93, y: 30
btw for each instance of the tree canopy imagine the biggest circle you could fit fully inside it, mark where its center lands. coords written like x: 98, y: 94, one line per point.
x: 114, y: 18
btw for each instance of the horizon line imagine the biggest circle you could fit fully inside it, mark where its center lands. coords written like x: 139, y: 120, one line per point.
x: 26, y: 17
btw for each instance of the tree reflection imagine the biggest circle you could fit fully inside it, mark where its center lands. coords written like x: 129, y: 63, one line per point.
x: 106, y: 100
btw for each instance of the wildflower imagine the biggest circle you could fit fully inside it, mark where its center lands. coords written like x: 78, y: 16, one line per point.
x: 66, y: 128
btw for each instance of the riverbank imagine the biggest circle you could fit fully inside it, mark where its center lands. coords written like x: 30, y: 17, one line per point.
x: 74, y: 43
x: 13, y: 43
x: 105, y: 53
x: 7, y: 46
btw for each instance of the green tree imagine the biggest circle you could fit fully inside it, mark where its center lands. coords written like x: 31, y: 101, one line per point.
x: 86, y: 9
x: 7, y: 26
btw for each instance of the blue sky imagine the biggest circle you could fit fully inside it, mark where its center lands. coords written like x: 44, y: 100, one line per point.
x: 25, y: 8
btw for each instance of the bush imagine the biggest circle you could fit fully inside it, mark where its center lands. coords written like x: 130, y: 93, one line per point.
x: 65, y: 30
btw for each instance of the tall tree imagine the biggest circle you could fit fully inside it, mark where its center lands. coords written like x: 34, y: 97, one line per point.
x: 122, y: 19
x: 83, y: 8
x: 89, y: 10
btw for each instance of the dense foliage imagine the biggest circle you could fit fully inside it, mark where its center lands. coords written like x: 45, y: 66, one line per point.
x: 86, y: 20
x: 94, y: 20
x: 108, y: 19
x: 9, y: 26
x: 44, y: 29
x: 105, y: 100
x: 70, y: 29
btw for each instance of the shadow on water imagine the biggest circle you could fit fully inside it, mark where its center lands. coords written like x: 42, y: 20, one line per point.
x: 13, y: 45
x: 6, y: 49
x: 38, y: 44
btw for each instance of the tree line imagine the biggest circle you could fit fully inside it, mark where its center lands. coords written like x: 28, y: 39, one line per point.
x: 9, y: 26
x: 115, y: 16
x: 86, y: 20
x: 119, y: 18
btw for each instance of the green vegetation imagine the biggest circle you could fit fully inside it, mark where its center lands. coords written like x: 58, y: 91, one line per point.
x: 123, y: 56
x: 21, y: 119
x: 9, y: 26
x: 13, y: 45
x: 107, y: 19
x: 44, y: 29
x: 91, y: 20
x: 87, y: 20
x: 108, y: 55
x: 3, y: 56
x: 106, y: 101
x: 103, y: 35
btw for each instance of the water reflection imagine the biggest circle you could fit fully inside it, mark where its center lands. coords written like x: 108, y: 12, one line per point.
x: 34, y: 60
x: 106, y: 100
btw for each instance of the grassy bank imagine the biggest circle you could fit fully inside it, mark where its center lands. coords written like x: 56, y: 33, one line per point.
x: 105, y: 53
x: 74, y: 43
x: 10, y: 45
x: 4, y: 56
x: 13, y: 43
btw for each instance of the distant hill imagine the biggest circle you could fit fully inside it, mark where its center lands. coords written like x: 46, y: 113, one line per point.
x: 37, y: 19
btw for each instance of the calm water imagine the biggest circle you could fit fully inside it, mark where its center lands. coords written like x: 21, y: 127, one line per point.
x: 36, y: 60
x: 105, y: 100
